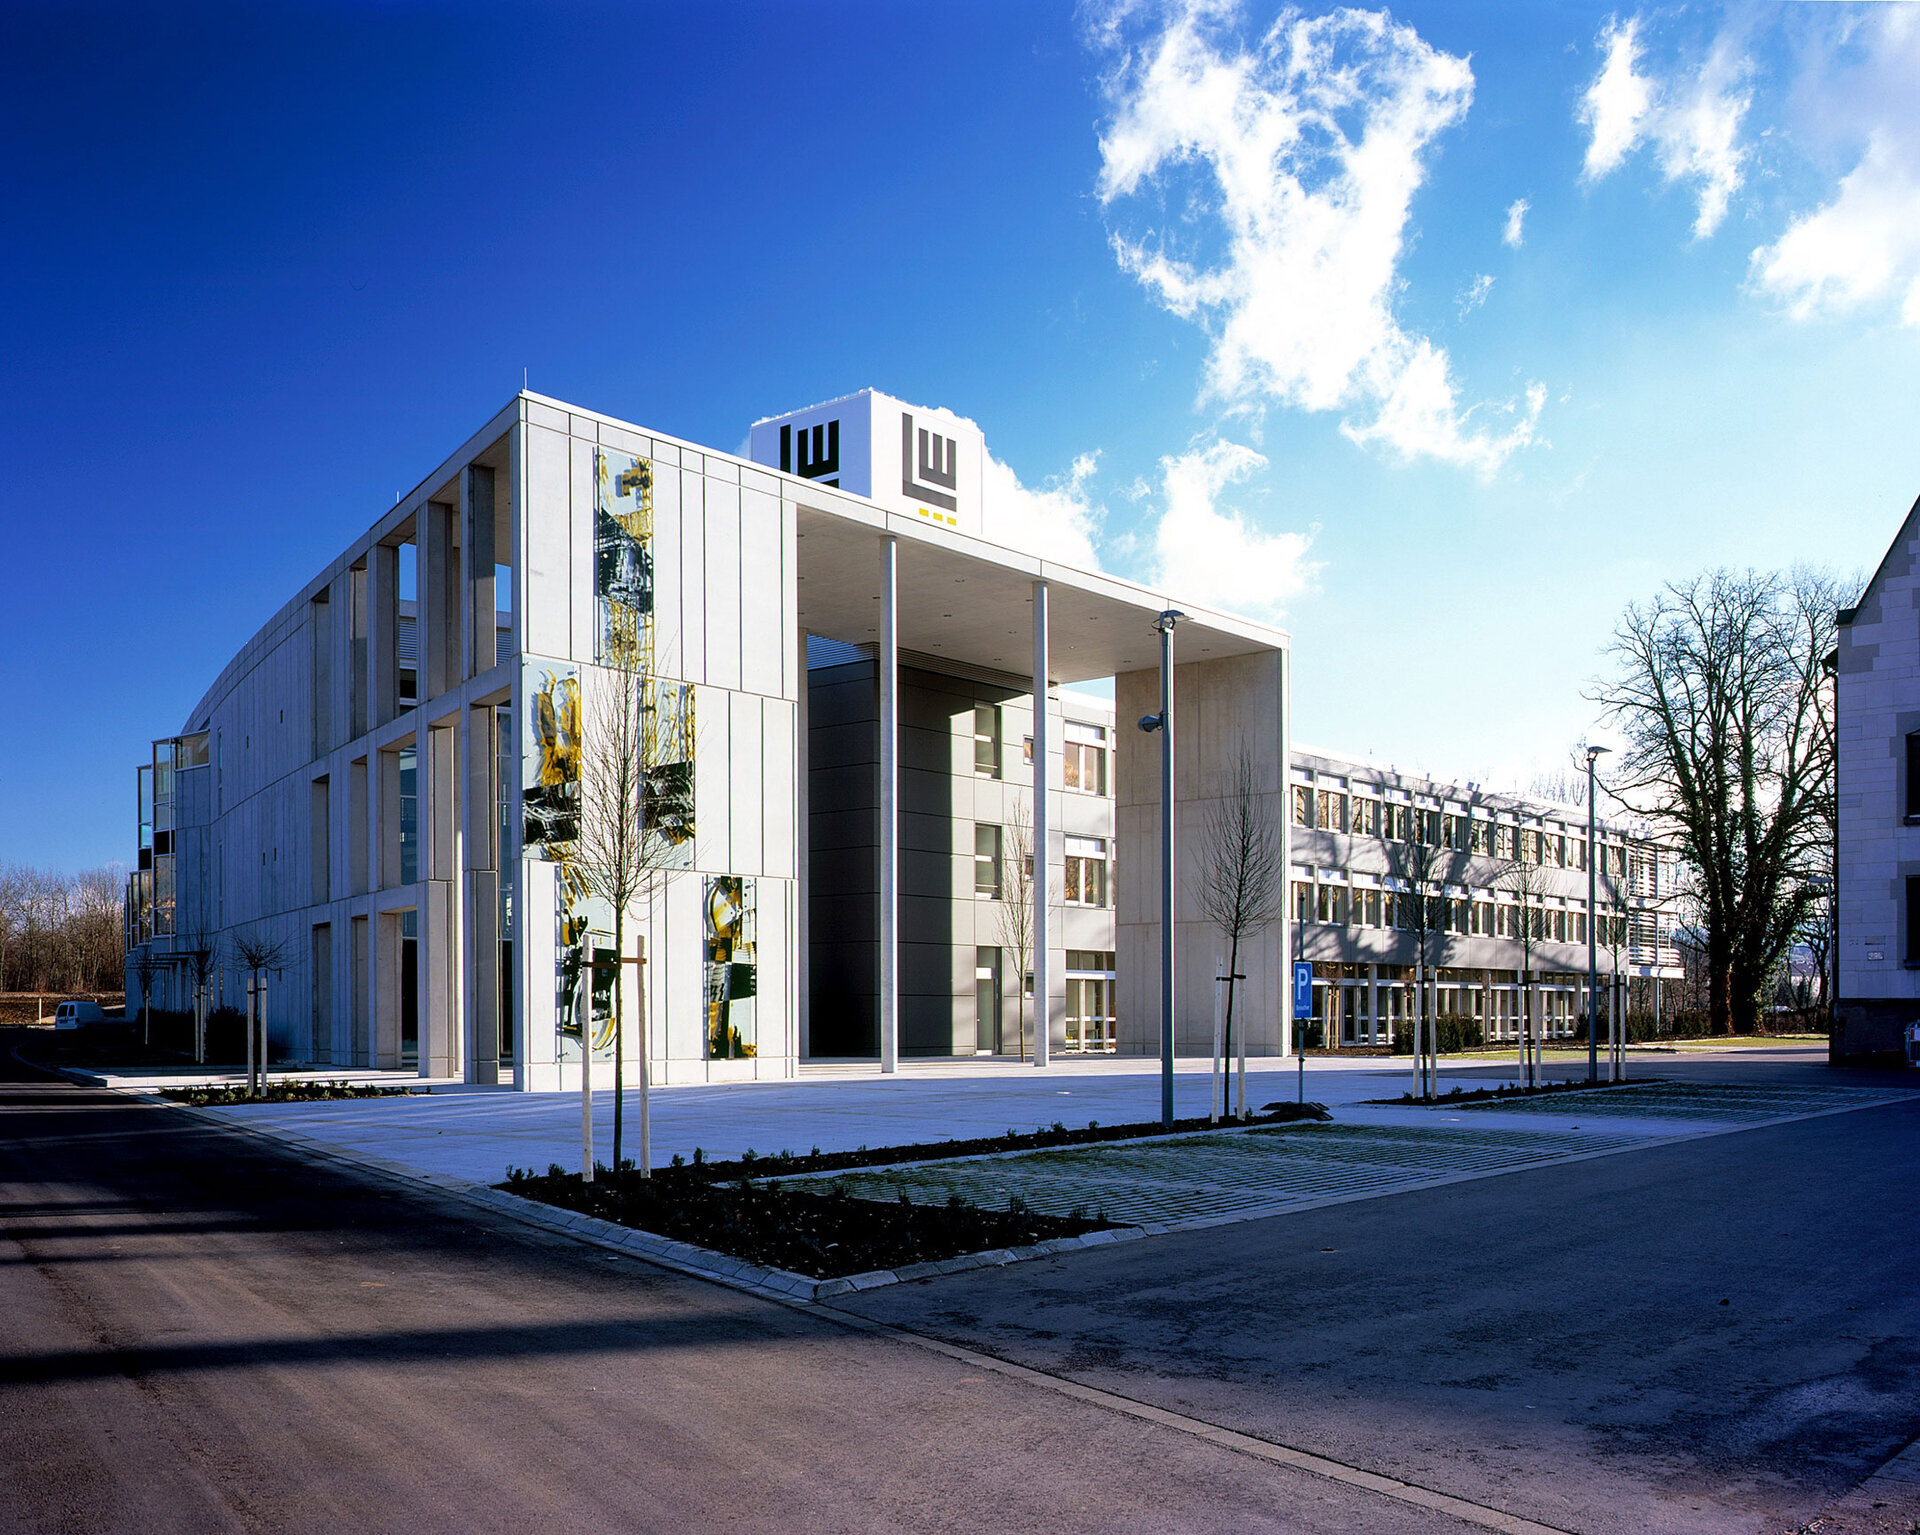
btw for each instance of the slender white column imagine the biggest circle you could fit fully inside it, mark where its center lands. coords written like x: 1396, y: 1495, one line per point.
x: 1042, y: 826
x: 803, y: 840
x: 889, y: 806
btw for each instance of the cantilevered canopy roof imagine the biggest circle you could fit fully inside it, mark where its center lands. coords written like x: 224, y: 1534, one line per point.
x: 969, y: 601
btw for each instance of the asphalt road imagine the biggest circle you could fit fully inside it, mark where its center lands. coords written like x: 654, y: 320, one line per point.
x: 1716, y: 1335
x: 200, y: 1332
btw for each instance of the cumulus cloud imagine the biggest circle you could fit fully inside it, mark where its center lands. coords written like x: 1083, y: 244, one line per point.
x: 1511, y: 236
x: 1692, y: 120
x: 1294, y: 157
x: 1214, y: 553
x: 1058, y: 520
x: 1863, y: 246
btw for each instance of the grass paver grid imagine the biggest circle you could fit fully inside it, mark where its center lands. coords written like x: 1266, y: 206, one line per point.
x: 1686, y: 1101
x: 1225, y: 1174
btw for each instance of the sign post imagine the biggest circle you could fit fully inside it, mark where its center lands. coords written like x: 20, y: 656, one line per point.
x: 1302, y: 1012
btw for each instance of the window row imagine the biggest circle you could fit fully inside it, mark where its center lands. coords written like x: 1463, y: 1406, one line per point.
x: 1344, y: 906
x: 1083, y: 757
x: 1361, y: 816
x: 1085, y: 875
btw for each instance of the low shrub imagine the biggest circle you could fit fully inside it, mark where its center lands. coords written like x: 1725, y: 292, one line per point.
x: 1456, y: 1031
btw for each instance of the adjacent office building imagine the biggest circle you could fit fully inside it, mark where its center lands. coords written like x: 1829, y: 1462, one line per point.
x: 1510, y: 874
x: 843, y: 769
x: 1877, y: 702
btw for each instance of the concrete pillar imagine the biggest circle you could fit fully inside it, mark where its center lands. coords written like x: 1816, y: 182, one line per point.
x: 889, y: 912
x: 442, y: 836
x: 803, y: 883
x: 481, y: 898
x: 478, y: 612
x: 1042, y: 826
x: 1222, y: 704
x: 1373, y: 1005
x: 383, y: 634
x: 438, y: 622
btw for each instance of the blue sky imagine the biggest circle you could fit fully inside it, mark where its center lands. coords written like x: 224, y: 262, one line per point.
x: 1211, y: 278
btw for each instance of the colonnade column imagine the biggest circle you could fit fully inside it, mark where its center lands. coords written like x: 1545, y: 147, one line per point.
x: 1042, y: 824
x: 889, y: 667
x: 803, y: 881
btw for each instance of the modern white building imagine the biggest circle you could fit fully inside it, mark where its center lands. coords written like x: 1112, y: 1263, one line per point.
x: 384, y: 786
x: 1877, y: 704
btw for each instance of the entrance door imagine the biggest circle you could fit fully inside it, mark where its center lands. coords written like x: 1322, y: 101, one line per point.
x: 986, y: 1001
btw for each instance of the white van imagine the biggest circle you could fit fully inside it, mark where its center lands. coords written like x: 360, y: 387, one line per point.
x: 77, y: 1015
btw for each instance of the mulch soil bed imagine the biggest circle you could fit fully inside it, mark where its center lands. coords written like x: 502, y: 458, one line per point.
x: 729, y: 1208
x: 824, y: 1236
x: 287, y: 1092
x: 1513, y: 1090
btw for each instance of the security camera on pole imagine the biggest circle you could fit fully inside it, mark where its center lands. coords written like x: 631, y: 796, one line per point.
x: 1163, y: 722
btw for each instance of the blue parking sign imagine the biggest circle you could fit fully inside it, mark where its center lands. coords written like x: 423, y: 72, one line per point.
x: 1302, y: 988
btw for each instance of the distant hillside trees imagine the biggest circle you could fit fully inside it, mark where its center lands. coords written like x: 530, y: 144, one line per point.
x: 61, y: 932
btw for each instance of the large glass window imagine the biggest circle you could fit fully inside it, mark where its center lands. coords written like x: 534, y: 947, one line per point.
x: 409, y: 816
x: 1302, y: 805
x: 1084, y: 765
x: 1333, y: 810
x: 986, y: 860
x: 986, y: 741
x: 1086, y: 871
x: 1366, y: 817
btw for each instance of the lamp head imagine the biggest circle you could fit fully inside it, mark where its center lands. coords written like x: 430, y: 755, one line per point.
x: 1168, y: 619
x: 1149, y: 723
x: 1596, y: 751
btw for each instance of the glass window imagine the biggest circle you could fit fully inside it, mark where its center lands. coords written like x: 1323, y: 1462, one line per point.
x: 986, y: 741
x: 1302, y: 901
x: 1083, y: 765
x: 1366, y: 817
x: 1085, y: 882
x: 1302, y: 805
x: 409, y: 816
x: 986, y: 860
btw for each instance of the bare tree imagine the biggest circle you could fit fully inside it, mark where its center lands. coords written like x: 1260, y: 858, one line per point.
x: 617, y: 857
x: 201, y: 958
x: 1722, y: 691
x: 1019, y: 889
x: 1241, y: 876
x: 259, y: 956
x: 146, y: 969
x: 1528, y: 888
x: 1421, y: 867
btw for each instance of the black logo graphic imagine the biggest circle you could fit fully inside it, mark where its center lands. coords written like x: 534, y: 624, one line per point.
x: 937, y: 463
x: 821, y: 461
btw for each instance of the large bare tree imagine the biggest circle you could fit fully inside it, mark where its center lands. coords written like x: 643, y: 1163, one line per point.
x: 1721, y: 689
x: 1241, y: 875
x: 1019, y: 890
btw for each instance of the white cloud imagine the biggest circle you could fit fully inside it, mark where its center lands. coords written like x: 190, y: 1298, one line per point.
x: 1511, y: 236
x: 1305, y: 148
x: 1473, y: 295
x: 1693, y: 123
x: 1057, y: 521
x: 1863, y: 246
x: 1215, y: 554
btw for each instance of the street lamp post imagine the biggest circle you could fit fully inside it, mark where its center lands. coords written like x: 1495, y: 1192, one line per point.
x: 1593, y: 935
x: 1163, y: 722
